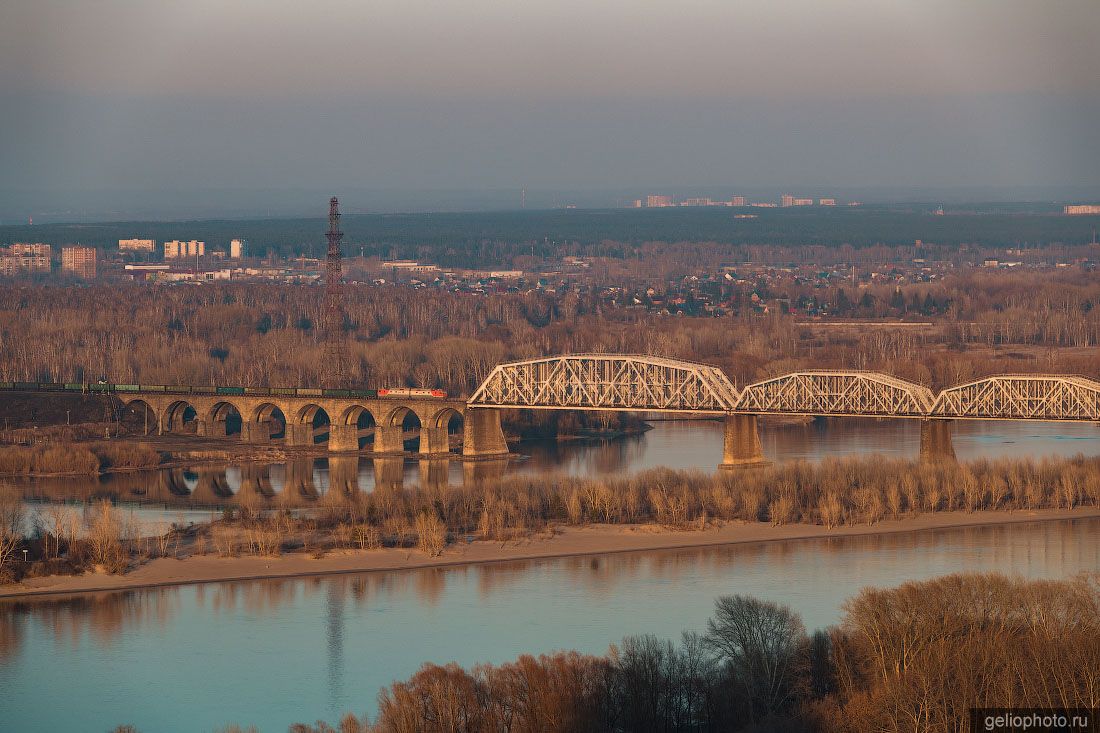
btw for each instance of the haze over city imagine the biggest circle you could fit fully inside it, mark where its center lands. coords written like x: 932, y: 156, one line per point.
x: 204, y: 108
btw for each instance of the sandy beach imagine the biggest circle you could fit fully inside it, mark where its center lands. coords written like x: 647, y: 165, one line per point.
x: 566, y: 542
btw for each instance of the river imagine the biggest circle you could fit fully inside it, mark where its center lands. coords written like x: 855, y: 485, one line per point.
x: 271, y: 653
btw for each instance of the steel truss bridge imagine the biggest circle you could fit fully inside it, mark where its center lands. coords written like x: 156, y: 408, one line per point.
x: 656, y: 384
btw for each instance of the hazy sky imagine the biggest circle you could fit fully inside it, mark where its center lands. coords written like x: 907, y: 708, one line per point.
x: 475, y: 94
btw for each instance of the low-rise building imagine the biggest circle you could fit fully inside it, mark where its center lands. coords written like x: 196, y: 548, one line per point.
x: 137, y: 245
x: 1082, y: 209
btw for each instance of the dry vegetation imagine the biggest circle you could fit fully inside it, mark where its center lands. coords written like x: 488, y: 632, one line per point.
x: 259, y: 334
x: 912, y: 658
x: 832, y: 493
x: 76, y: 458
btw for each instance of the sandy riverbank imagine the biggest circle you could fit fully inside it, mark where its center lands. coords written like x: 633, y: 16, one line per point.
x: 568, y: 541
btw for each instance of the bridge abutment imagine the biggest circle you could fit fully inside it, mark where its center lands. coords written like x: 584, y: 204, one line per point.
x: 482, y: 435
x: 741, y: 444
x: 935, y: 441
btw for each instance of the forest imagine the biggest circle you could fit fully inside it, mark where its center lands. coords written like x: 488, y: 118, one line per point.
x: 976, y: 323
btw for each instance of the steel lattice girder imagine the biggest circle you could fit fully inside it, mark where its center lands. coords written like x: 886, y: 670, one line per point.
x: 1028, y: 396
x: 837, y: 393
x: 608, y: 382
x: 650, y: 383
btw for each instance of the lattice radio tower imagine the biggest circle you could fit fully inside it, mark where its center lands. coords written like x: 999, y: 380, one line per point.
x: 335, y: 369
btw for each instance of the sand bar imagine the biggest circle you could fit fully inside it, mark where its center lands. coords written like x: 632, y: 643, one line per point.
x: 567, y: 542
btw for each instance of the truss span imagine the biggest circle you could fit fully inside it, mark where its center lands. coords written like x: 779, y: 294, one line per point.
x: 1022, y: 397
x: 837, y: 393
x: 608, y: 382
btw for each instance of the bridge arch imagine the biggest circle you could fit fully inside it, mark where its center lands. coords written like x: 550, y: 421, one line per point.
x: 441, y: 429
x: 608, y: 382
x: 224, y: 418
x: 144, y: 414
x: 178, y: 415
x: 318, y: 419
x: 403, y: 421
x: 825, y: 392
x: 363, y: 421
x: 273, y: 416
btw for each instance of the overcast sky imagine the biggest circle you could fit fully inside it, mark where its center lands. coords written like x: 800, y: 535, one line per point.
x: 569, y: 94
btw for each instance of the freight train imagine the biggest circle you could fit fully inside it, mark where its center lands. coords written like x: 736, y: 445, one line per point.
x: 102, y: 388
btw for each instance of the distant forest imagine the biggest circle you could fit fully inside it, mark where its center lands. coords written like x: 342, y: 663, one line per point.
x: 495, y: 239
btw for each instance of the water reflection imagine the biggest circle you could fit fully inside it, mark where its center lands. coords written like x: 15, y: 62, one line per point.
x: 307, y: 482
x: 318, y: 647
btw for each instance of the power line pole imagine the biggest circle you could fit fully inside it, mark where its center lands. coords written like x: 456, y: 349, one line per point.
x: 335, y: 367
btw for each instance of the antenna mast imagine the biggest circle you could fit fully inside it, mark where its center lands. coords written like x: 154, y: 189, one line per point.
x: 335, y: 367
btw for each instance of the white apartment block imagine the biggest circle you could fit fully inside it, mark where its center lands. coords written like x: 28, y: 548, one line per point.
x: 176, y: 249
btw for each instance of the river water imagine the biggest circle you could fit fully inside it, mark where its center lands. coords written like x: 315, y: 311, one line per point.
x: 271, y: 653
x: 155, y: 499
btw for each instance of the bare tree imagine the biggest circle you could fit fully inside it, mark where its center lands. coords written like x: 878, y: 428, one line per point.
x: 763, y: 646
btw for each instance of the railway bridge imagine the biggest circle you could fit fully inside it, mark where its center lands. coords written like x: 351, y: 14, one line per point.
x: 404, y: 421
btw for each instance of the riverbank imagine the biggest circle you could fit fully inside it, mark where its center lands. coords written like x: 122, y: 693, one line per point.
x: 597, y: 539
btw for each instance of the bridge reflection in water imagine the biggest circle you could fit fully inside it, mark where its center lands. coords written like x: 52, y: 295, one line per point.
x: 298, y: 483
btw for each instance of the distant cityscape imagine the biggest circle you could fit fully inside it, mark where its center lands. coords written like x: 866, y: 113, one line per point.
x: 660, y: 201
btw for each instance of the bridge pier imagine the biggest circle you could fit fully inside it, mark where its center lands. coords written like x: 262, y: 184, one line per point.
x: 389, y: 439
x: 343, y: 438
x: 482, y: 436
x: 935, y: 441
x: 255, y: 432
x: 741, y: 444
x: 299, y: 434
x: 434, y: 440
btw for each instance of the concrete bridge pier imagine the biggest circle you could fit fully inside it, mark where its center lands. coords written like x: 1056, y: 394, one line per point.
x: 343, y: 438
x: 482, y: 436
x: 935, y: 441
x: 255, y: 432
x: 741, y: 445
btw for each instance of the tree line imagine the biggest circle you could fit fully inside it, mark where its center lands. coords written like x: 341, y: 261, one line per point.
x: 268, y: 334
